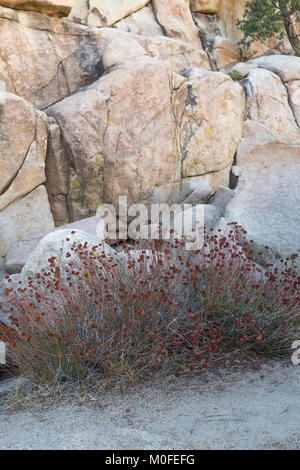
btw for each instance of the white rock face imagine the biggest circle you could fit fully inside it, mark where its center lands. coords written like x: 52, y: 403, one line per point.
x: 142, y: 22
x: 288, y: 69
x: 28, y: 216
x: 59, y: 244
x: 134, y: 109
x: 23, y: 143
x: 120, y: 50
x: 294, y: 97
x: 2, y: 85
x: 103, y: 12
x: 17, y: 256
x: 194, y: 193
x: 176, y: 20
x: 268, y: 102
x: 23, y: 135
x: 267, y: 198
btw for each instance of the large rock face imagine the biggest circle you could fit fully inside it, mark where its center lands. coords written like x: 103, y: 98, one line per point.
x: 23, y: 143
x: 28, y: 216
x: 175, y: 18
x: 294, y: 98
x: 59, y: 244
x: 103, y: 12
x: 287, y: 67
x: 119, y: 138
x: 288, y: 70
x: 119, y: 50
x: 176, y: 53
x: 141, y: 22
x: 23, y: 136
x: 211, y: 128
x: 225, y: 52
x: 268, y: 102
x: 44, y: 59
x: 18, y: 255
x: 133, y: 107
x: 267, y: 197
x: 138, y: 131
x: 50, y: 7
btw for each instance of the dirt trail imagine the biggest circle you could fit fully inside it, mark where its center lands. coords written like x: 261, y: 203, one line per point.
x: 240, y: 410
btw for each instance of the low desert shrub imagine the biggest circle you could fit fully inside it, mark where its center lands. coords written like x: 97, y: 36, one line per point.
x: 167, y: 309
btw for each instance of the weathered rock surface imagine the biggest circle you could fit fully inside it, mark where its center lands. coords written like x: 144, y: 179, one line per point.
x: 23, y: 135
x: 268, y: 102
x: 134, y: 133
x: 131, y: 111
x: 194, y: 193
x: 176, y: 53
x: 211, y: 128
x: 44, y: 59
x: 59, y: 244
x: 213, y: 179
x: 141, y: 22
x: 288, y: 69
x: 103, y: 12
x: 2, y: 85
x: 59, y: 57
x: 120, y: 136
x: 222, y: 198
x: 120, y: 50
x: 294, y: 98
x: 176, y: 20
x: 209, y: 26
x: 17, y: 256
x: 3, y: 271
x: 230, y: 11
x: 240, y: 71
x: 27, y: 216
x: 267, y: 198
x: 205, y: 6
x: 225, y: 52
x: 50, y: 7
x: 24, y: 205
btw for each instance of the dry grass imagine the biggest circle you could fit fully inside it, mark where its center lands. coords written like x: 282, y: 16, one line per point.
x: 168, y: 311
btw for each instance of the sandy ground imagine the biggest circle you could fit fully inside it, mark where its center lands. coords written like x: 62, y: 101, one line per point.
x: 236, y: 410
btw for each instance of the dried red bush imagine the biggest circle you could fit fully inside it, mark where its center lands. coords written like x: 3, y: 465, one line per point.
x: 165, y: 309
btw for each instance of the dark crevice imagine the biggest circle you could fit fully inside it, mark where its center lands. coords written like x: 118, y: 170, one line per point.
x: 233, y: 179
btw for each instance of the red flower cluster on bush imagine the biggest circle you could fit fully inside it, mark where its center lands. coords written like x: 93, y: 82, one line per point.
x: 166, y: 308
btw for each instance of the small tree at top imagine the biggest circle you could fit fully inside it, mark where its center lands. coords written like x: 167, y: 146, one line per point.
x: 264, y: 19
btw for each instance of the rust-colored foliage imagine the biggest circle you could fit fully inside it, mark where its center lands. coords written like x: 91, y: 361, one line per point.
x: 168, y: 308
